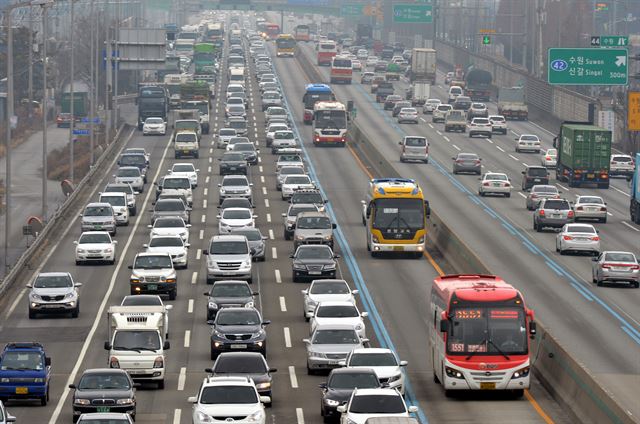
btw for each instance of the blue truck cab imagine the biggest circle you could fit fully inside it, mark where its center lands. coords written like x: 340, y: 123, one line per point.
x: 634, y: 208
x: 25, y: 372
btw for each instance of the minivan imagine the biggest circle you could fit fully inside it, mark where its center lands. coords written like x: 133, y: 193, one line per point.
x: 414, y: 148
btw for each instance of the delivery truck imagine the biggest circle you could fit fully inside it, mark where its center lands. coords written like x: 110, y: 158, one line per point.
x: 423, y: 65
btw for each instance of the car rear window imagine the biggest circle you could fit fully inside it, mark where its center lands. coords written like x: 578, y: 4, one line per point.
x: 537, y: 172
x: 415, y: 142
x: 621, y: 159
x: 557, y: 204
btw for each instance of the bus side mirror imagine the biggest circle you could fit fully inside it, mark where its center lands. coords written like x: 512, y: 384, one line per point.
x: 427, y: 208
x: 444, y: 326
x: 532, y: 329
x: 368, y: 212
x: 349, y: 105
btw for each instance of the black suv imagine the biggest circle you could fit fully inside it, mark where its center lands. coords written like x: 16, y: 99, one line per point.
x: 104, y: 390
x: 238, y: 329
x: 229, y: 293
x: 340, y: 385
x: 233, y: 163
x: 534, y: 175
x: 245, y: 364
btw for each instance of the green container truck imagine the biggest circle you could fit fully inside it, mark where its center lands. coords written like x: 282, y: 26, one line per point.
x: 204, y: 58
x: 80, y: 104
x: 584, y: 153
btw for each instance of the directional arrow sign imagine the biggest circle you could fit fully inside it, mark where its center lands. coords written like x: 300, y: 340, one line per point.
x: 588, y: 66
x: 614, y: 41
x: 412, y: 13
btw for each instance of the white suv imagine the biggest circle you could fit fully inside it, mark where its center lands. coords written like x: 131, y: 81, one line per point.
x: 368, y: 403
x: 228, y: 258
x: 223, y: 397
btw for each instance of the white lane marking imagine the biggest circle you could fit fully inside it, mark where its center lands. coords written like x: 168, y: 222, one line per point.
x: 177, y: 415
x: 190, y: 307
x: 210, y: 160
x: 620, y: 191
x: 438, y: 131
x: 499, y: 148
x: 630, y: 226
x: 274, y: 253
x: 260, y: 168
x: 609, y: 213
x: 422, y: 119
x: 211, y: 150
x: 562, y: 187
x: 266, y: 203
x: 522, y: 194
x: 204, y: 204
x: 206, y: 180
x: 287, y: 337
x: 203, y: 219
x: 300, y: 415
x: 293, y: 378
x: 194, y: 277
x: 514, y: 158
x: 456, y: 147
x: 278, y: 277
x: 271, y: 237
x: 264, y: 191
x: 431, y: 125
x: 201, y: 235
x: 182, y: 378
x: 283, y: 304
x: 198, y: 254
x: 515, y: 133
x: 259, y: 159
x: 206, y: 191
x: 262, y: 179
x: 15, y: 302
x: 446, y: 138
x: 209, y: 170
x: 187, y: 338
x: 268, y: 217
x: 489, y: 140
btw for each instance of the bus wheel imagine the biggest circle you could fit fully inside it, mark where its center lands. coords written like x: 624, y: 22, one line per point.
x: 518, y: 393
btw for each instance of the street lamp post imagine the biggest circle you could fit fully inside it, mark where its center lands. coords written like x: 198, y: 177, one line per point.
x: 72, y: 101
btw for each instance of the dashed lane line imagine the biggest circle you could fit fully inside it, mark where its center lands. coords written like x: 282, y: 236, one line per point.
x: 287, y: 337
x: 278, y: 277
x: 293, y: 379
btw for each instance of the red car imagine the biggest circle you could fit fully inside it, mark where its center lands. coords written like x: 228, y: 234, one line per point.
x: 63, y: 120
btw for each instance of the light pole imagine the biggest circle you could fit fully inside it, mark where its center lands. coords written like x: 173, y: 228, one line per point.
x: 45, y: 171
x: 72, y: 97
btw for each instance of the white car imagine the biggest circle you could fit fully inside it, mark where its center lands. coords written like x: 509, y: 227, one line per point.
x: 138, y: 151
x: 272, y: 129
x: 94, y: 246
x: 362, y: 54
x: 178, y: 186
x: 383, y: 362
x: 338, y: 312
x: 173, y: 245
x: 430, y: 105
x: 621, y: 165
x: 296, y: 182
x: 170, y: 226
x: 286, y: 171
x: 495, y: 183
x: 185, y: 170
x: 228, y: 397
x: 235, y: 186
x: 578, y: 238
x: 283, y: 140
x: 369, y: 403
x: 498, y: 124
x: 408, y: 114
x: 590, y: 207
x: 528, y: 142
x: 289, y: 159
x: 224, y: 135
x: 549, y: 158
x: 480, y: 126
x: 118, y: 202
x: 326, y: 291
x: 153, y: 273
x: 154, y: 126
x: 371, y: 61
x: 130, y: 175
x: 356, y: 65
x: 234, y: 219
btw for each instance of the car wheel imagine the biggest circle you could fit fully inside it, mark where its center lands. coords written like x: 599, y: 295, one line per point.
x: 44, y: 399
x: 310, y: 371
x: 480, y: 193
x: 212, y: 355
x: 75, y: 312
x: 599, y: 283
x: 161, y: 384
x: 507, y: 195
x: 32, y: 314
x: 134, y: 211
x: 636, y: 284
x: 78, y: 263
x: 603, y: 220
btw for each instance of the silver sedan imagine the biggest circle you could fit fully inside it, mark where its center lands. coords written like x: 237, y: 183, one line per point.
x: 615, y: 267
x: 578, y: 238
x: 590, y: 207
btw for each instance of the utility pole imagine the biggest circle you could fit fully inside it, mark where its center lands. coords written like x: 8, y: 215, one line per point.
x: 92, y: 114
x: 45, y: 99
x: 115, y: 93
x: 30, y: 82
x: 525, y: 38
x: 7, y: 188
x: 72, y: 125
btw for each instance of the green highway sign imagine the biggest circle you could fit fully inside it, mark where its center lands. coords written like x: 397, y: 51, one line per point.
x: 614, y: 41
x: 588, y: 66
x: 486, y: 39
x: 412, y: 13
x: 353, y: 9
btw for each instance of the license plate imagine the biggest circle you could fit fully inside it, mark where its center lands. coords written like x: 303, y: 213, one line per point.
x: 314, y: 273
x: 591, y: 175
x: 22, y: 390
x: 333, y: 362
x: 496, y: 184
x: 152, y: 286
x: 556, y: 215
x: 98, y: 227
x: 619, y: 268
x: 185, y: 151
x: 103, y: 409
x: 238, y: 346
x: 232, y: 168
x: 398, y: 248
x: 487, y: 386
x: 536, y: 180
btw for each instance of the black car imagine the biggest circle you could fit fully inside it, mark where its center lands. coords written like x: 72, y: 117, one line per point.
x: 340, y: 385
x: 245, y: 364
x: 104, y: 390
x: 235, y: 202
x: 232, y: 163
x: 398, y: 106
x: 249, y: 151
x: 135, y: 159
x: 229, y: 293
x: 238, y: 329
x: 462, y: 103
x: 391, y: 101
x: 313, y: 197
x: 312, y: 262
x: 534, y: 175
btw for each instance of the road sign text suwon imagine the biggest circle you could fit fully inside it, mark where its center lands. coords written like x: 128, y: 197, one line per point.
x: 586, y: 66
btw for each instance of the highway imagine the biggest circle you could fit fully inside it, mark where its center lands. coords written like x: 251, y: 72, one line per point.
x: 395, y: 292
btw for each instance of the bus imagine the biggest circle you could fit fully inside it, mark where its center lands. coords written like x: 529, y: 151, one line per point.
x: 329, y: 123
x: 479, y: 335
x: 327, y: 50
x: 341, y: 70
x: 315, y: 93
x: 285, y: 45
x: 215, y: 33
x: 272, y: 31
x: 302, y: 33
x: 395, y: 212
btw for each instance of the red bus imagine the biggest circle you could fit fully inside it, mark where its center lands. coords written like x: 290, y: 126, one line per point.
x: 479, y: 334
x: 327, y: 50
x: 330, y: 123
x: 272, y: 31
x: 341, y: 70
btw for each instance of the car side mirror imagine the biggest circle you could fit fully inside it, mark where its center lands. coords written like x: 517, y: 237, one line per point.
x: 205, y: 252
x: 412, y: 409
x: 364, y: 314
x: 533, y: 329
x: 146, y: 246
x: 309, y: 315
x: 336, y: 256
x: 342, y: 408
x: 322, y: 385
x: 29, y: 286
x: 130, y: 267
x: 404, y: 363
x: 594, y: 259
x: 209, y: 370
x: 47, y: 361
x: 72, y: 386
x: 273, y: 369
x: 266, y: 322
x: 306, y: 341
x: 166, y: 345
x: 192, y: 399
x: 77, y: 285
x: 107, y: 346
x: 210, y: 322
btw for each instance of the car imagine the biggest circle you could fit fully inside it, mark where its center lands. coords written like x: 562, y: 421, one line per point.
x: 408, y: 114
x: 154, y: 126
x: 368, y: 403
x: 338, y: 312
x: 372, y: 61
x: 330, y: 344
x: 367, y: 77
x: 235, y: 99
x: 554, y: 213
x: 95, y: 246
x: 138, y: 151
x: 293, y: 182
x: 275, y: 112
x: 498, y: 124
x: 362, y: 54
x: 130, y: 175
x: 285, y: 171
x: 222, y: 397
x: 291, y: 215
x: 480, y: 126
x: 590, y: 207
x: 224, y: 135
x: 98, y: 384
x: 549, y: 158
x: 339, y: 386
x: 235, y: 202
x: 170, y: 226
x: 383, y: 362
x: 356, y: 65
x: 539, y: 192
x: 578, y: 238
x: 238, y: 123
x: 615, y: 267
x: 173, y: 245
x: 467, y: 162
x: 257, y: 242
x: 235, y: 110
x: 140, y: 160
x: 153, y: 273
x: 528, y: 142
x: 313, y: 227
x: 272, y: 129
x: 234, y: 88
x: 284, y: 139
x: 235, y: 186
x: 238, y: 329
x: 309, y: 196
x: 248, y: 150
x: 54, y: 293
x: 288, y: 159
x: 440, y: 112
x: 455, y: 91
x: 148, y: 300
x: 380, y: 66
x: 128, y: 190
x: 63, y: 120
x: 229, y: 293
x: 477, y: 110
x: 271, y: 98
x: 621, y: 165
x: 228, y: 257
x: 25, y: 370
x: 494, y: 183
x: 313, y: 261
x: 176, y: 186
x: 390, y: 101
x: 245, y: 364
x: 377, y: 80
x: 98, y: 217
x: 105, y: 418
x: 430, y: 105
x: 326, y: 290
x: 233, y: 163
x: 185, y: 170
x: 534, y: 175
x: 398, y: 106
x: 462, y: 103
x: 171, y: 207
x: 235, y: 218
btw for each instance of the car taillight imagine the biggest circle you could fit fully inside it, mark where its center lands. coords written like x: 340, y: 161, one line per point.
x: 458, y: 161
x: 603, y: 209
x: 534, y: 196
x: 477, y: 162
x: 548, y: 157
x: 606, y: 266
x: 541, y: 213
x: 570, y: 214
x: 595, y: 238
x: 579, y: 208
x: 486, y: 184
x: 113, y: 362
x: 567, y: 237
x: 634, y: 267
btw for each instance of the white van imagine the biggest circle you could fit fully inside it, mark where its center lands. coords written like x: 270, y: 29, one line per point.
x: 236, y: 76
x: 119, y: 204
x: 455, y: 91
x: 414, y: 148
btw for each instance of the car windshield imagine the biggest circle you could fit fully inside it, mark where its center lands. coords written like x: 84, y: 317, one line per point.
x: 251, y: 235
x: 98, y: 211
x: 622, y: 159
x: 377, y: 404
x: 591, y: 199
x: 235, y: 202
x: 537, y: 172
x: 276, y: 111
x: 289, y: 158
x: 22, y: 361
x: 229, y: 364
x: 186, y: 137
x: 228, y: 248
x: 236, y: 108
x: 314, y: 252
x: 170, y: 205
x: 128, y: 172
x: 337, y: 311
x: 297, y: 179
x: 244, y: 147
x: 284, y: 135
x: 142, y: 300
x: 313, y: 222
x: 227, y: 132
x: 347, y: 336
x: 213, y: 395
x: 552, y: 152
x: 166, y: 242
x: 183, y: 168
x: 95, y: 381
x: 408, y: 110
x: 95, y: 238
x: 556, y: 204
x: 352, y: 380
x: 136, y: 340
x: 481, y: 121
x: 237, y: 317
x: 398, y: 215
x: 291, y: 170
x: 133, y: 160
x: 233, y: 157
x: 544, y: 189
x: 236, y: 214
x: 467, y: 156
x: 496, y: 177
x: 238, y: 124
x: 169, y: 223
x: 415, y: 141
x: 620, y: 257
x: 329, y: 287
x: 279, y: 127
x: 118, y: 188
x: 104, y: 421
x: 227, y: 182
x: 313, y: 198
x: 154, y: 121
x: 114, y: 200
x: 385, y: 359
x: 176, y: 183
x: 230, y: 290
x: 527, y: 137
x: 444, y: 108
x: 581, y: 229
x: 152, y: 262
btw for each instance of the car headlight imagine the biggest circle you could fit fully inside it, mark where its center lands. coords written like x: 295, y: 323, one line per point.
x: 256, y: 335
x: 213, y: 305
x: 522, y: 372
x: 80, y: 250
x: 359, y: 327
x: 204, y: 418
x: 300, y: 238
x: 5, y: 380
x: 81, y: 401
x: 299, y: 267
x: 35, y: 296
x: 394, y: 378
x: 69, y: 296
x: 246, y: 263
x: 331, y: 402
x: 126, y: 401
x: 249, y: 305
x: 453, y: 373
x: 222, y: 190
x: 329, y: 237
x: 263, y: 385
x: 108, y: 250
x: 329, y: 267
x: 38, y: 380
x: 317, y: 354
x: 218, y: 334
x: 256, y: 416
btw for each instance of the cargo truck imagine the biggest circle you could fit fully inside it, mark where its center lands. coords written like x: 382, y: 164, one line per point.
x: 634, y: 208
x: 152, y: 102
x: 419, y: 93
x: 196, y: 95
x: 204, y: 58
x: 511, y: 103
x: 80, y: 104
x: 393, y: 72
x: 423, y: 65
x: 584, y: 153
x: 478, y: 85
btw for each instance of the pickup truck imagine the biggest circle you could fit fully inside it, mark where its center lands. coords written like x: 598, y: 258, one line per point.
x: 185, y: 143
x: 25, y: 370
x: 455, y: 120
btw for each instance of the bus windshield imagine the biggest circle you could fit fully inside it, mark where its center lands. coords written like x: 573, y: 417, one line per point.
x: 398, y: 215
x: 331, y: 119
x: 310, y: 99
x: 286, y: 43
